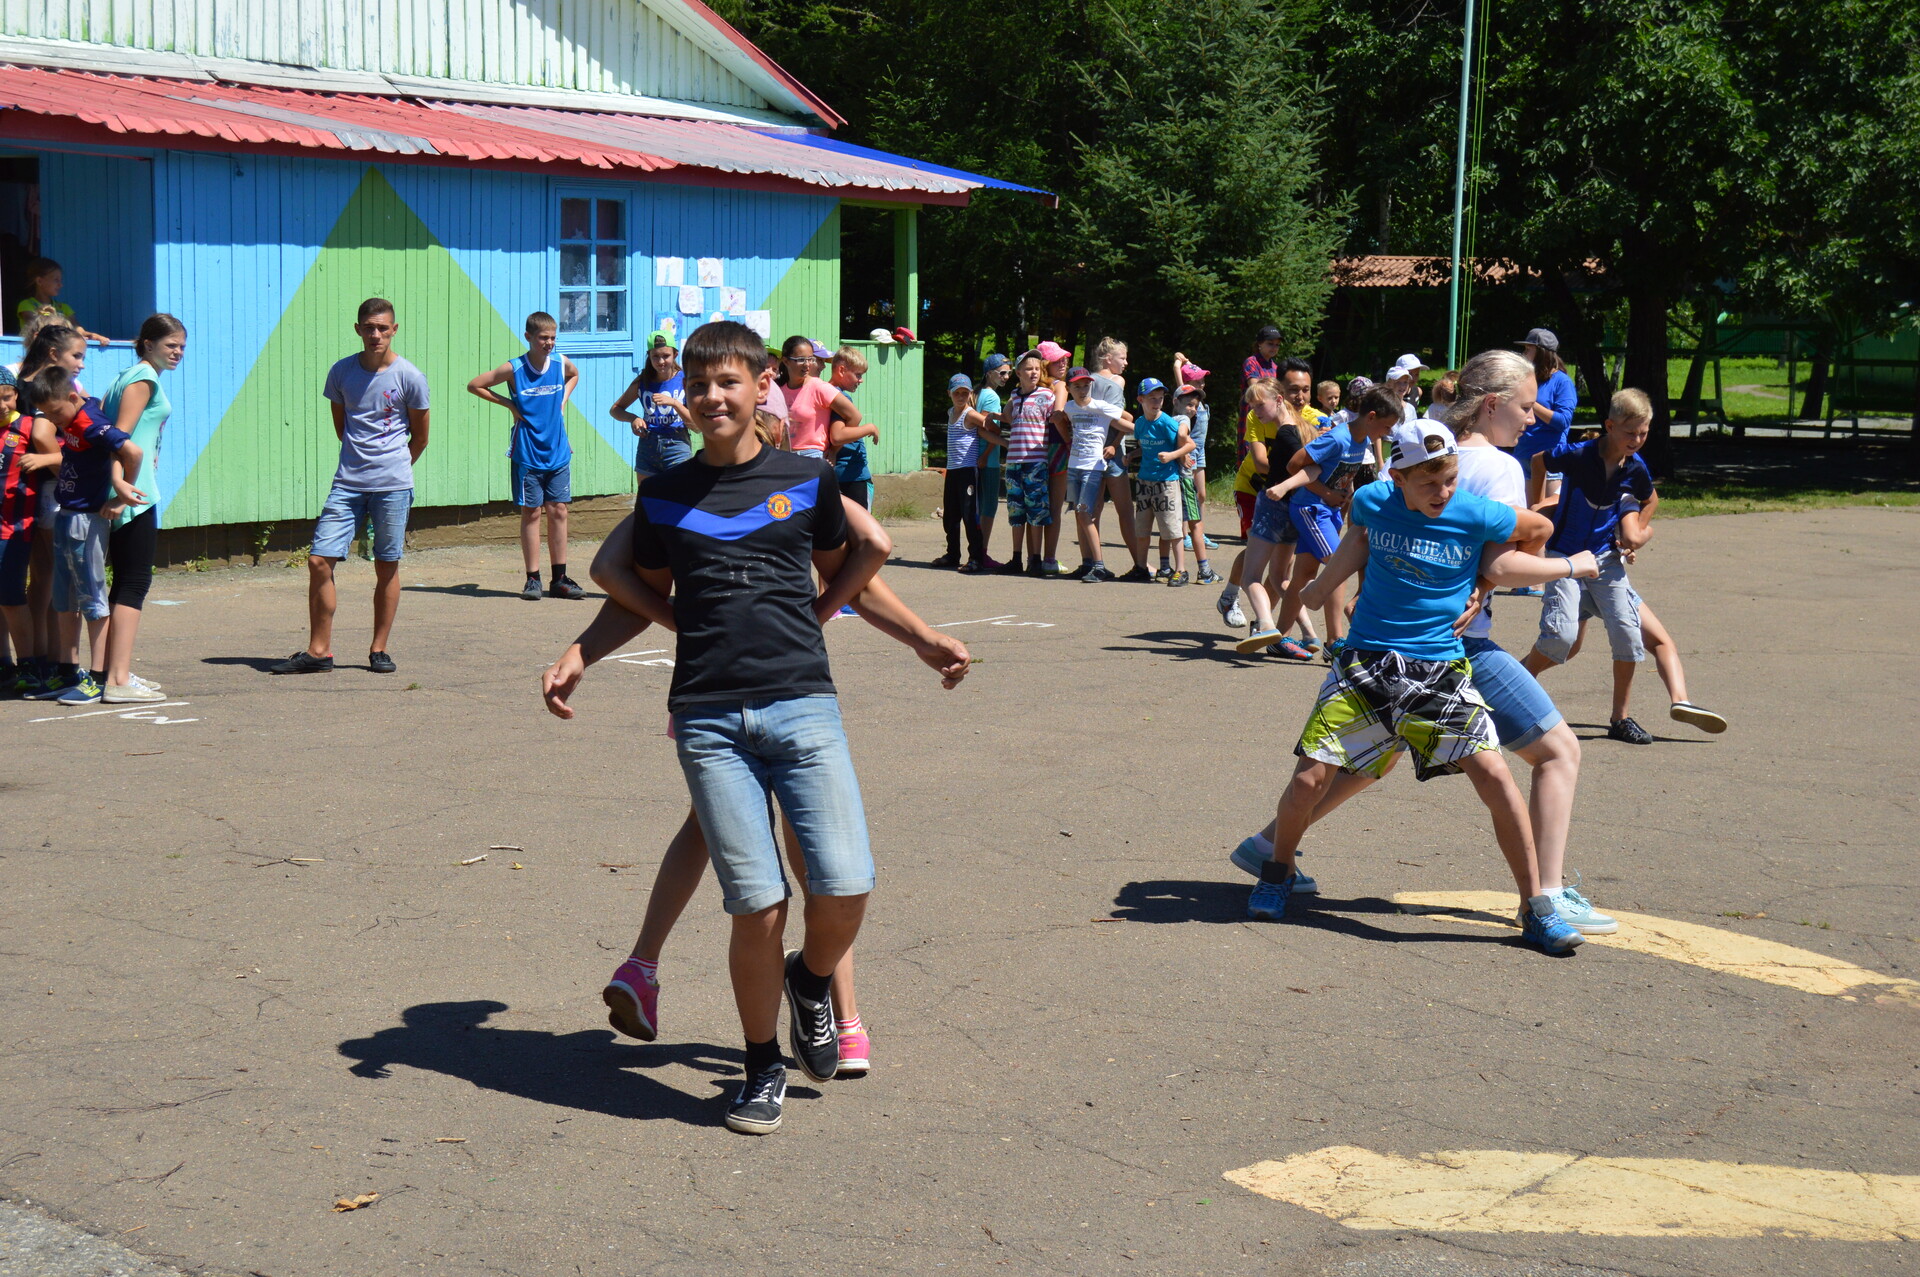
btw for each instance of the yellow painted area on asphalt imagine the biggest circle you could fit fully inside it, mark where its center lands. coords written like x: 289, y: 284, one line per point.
x: 1714, y: 948
x: 1493, y: 1191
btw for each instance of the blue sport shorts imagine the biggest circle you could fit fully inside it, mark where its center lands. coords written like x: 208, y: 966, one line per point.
x: 1319, y: 528
x: 346, y: 512
x: 738, y: 759
x: 535, y: 488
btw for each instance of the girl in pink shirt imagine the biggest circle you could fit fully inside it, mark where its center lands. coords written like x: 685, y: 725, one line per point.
x: 814, y: 405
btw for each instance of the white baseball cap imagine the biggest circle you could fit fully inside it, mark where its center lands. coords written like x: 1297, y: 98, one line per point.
x: 1412, y: 442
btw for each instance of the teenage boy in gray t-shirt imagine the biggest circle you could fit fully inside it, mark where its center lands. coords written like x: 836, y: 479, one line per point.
x: 379, y: 403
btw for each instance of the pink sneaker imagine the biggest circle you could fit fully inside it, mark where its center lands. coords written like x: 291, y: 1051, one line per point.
x: 633, y: 1001
x: 856, y: 1050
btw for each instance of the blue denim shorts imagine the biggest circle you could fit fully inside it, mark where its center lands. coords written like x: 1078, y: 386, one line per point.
x: 535, y: 488
x: 80, y: 564
x: 1085, y: 488
x: 658, y: 451
x: 1319, y: 529
x: 346, y: 512
x: 738, y: 759
x: 1522, y: 710
x: 1271, y: 521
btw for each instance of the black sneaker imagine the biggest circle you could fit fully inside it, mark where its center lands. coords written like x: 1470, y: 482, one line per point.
x: 1098, y: 574
x: 531, y: 590
x: 565, y: 587
x: 379, y: 663
x: 1036, y: 568
x: 1078, y: 574
x: 811, y: 1036
x: 304, y: 663
x: 1139, y: 575
x: 946, y: 561
x: 756, y: 1109
x: 1012, y: 567
x: 1629, y: 732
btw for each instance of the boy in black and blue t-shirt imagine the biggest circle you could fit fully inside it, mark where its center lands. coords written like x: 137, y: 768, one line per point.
x: 735, y: 538
x: 1606, y: 492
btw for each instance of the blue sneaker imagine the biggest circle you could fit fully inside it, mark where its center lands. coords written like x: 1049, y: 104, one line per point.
x: 1268, y: 903
x: 1578, y: 912
x: 83, y: 692
x: 1249, y: 858
x: 1542, y: 927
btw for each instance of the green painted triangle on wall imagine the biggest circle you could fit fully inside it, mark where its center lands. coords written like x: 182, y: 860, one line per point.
x: 273, y: 455
x: 807, y: 298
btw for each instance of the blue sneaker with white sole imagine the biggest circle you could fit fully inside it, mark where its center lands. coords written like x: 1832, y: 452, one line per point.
x: 1579, y: 913
x: 1249, y: 857
x: 1542, y: 927
x: 1268, y: 903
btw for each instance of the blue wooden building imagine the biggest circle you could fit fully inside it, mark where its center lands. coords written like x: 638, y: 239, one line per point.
x: 257, y: 167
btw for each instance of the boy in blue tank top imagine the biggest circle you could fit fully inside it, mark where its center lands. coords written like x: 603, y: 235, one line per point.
x: 538, y: 383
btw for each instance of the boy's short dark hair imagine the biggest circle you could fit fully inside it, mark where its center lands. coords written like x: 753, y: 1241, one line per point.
x: 1379, y: 402
x: 541, y: 319
x: 1291, y: 364
x: 49, y: 384
x: 375, y: 306
x: 721, y: 342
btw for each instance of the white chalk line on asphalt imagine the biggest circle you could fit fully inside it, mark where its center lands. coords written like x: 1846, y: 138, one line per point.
x: 1007, y: 621
x: 142, y: 714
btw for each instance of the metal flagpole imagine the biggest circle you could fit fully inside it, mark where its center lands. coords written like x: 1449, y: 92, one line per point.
x: 1459, y: 191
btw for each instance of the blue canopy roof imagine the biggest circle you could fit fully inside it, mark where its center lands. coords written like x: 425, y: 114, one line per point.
x: 866, y: 152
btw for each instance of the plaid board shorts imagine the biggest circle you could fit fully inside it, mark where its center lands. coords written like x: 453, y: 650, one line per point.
x: 1027, y: 499
x: 1375, y: 704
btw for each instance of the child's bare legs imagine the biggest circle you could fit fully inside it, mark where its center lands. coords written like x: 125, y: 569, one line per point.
x: 1494, y: 783
x: 556, y: 536
x: 1666, y: 654
x: 673, y: 886
x: 1255, y: 561
x: 386, y: 601
x: 1056, y: 502
x: 1555, y: 760
x: 1311, y: 779
x: 19, y: 623
x: 1305, y: 568
x: 530, y: 538
x: 757, y: 962
x: 1622, y: 686
x: 68, y: 625
x: 1336, y: 614
x: 1089, y: 536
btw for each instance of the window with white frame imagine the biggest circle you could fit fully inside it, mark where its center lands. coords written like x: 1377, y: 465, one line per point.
x: 593, y: 264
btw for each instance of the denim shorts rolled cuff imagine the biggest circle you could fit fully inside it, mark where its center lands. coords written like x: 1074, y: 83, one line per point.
x: 1522, y: 710
x: 80, y: 564
x: 739, y: 759
x: 346, y: 512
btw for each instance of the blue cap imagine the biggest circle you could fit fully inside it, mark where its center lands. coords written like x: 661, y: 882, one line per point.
x: 995, y: 360
x: 959, y: 381
x: 1148, y: 385
x: 7, y: 378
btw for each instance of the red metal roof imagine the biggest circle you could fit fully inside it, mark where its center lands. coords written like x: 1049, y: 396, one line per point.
x: 88, y: 107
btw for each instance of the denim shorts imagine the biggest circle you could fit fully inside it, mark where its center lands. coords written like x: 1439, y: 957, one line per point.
x: 1027, y: 500
x: 346, y: 512
x: 535, y: 488
x: 658, y: 451
x: 1115, y: 470
x: 1085, y: 488
x: 1522, y: 710
x: 1609, y: 597
x: 1318, y: 527
x: 738, y: 759
x: 1271, y: 522
x: 80, y: 564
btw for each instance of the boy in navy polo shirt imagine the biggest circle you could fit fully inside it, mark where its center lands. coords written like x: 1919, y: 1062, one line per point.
x: 88, y: 497
x: 538, y: 387
x: 1604, y: 490
x: 734, y: 537
x: 1402, y: 680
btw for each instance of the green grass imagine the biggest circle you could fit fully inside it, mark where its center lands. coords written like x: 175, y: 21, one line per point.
x: 1684, y: 498
x: 899, y: 508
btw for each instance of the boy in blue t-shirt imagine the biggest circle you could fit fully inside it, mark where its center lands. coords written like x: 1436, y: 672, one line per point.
x: 1402, y: 680
x: 1605, y: 490
x: 538, y: 386
x: 1158, y: 503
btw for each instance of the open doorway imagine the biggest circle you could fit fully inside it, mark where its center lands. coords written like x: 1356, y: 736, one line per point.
x: 19, y: 232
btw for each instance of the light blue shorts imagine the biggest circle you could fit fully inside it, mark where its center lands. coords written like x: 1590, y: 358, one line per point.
x: 1522, y: 710
x: 80, y: 563
x: 346, y: 512
x: 1610, y: 597
x: 739, y: 758
x: 1085, y: 488
x: 818, y: 454
x: 658, y: 451
x: 1271, y: 521
x: 535, y: 488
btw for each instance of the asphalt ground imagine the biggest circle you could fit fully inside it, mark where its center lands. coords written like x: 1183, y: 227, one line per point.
x: 247, y: 974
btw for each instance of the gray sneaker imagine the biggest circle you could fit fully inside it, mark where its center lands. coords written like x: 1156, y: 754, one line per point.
x: 531, y: 590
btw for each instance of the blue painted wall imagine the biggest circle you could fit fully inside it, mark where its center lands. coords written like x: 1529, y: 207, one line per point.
x: 96, y: 220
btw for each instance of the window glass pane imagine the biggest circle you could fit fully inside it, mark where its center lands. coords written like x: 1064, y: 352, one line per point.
x: 573, y: 266
x: 609, y: 312
x: 612, y: 220
x: 573, y: 312
x: 609, y: 264
x: 573, y: 219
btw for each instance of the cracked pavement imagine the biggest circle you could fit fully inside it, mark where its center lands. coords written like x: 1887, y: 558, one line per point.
x: 249, y: 976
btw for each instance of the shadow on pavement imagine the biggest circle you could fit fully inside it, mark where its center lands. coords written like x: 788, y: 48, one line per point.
x: 1174, y: 900
x: 1598, y: 731
x: 258, y: 664
x: 474, y: 590
x: 1195, y: 645
x: 589, y: 1070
